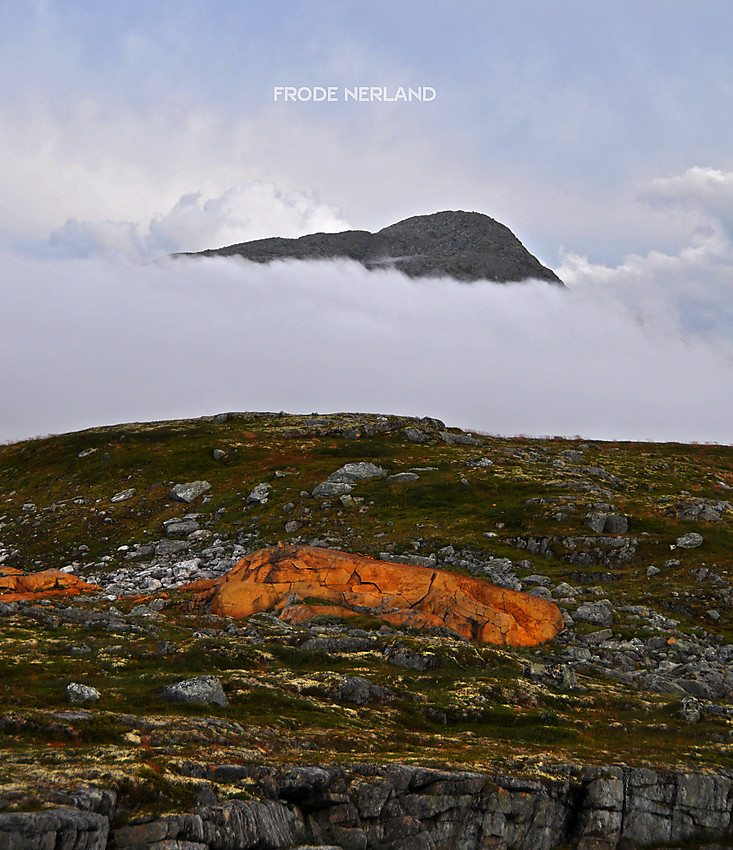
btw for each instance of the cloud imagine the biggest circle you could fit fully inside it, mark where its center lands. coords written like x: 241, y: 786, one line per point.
x: 98, y: 341
x: 706, y: 190
x: 246, y: 211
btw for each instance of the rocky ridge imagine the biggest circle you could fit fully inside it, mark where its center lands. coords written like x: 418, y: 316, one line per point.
x: 466, y: 246
x: 400, y: 807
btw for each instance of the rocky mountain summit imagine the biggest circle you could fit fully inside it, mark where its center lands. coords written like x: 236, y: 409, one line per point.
x: 132, y: 716
x: 466, y: 246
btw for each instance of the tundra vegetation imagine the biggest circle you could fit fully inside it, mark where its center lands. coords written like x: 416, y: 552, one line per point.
x: 633, y: 542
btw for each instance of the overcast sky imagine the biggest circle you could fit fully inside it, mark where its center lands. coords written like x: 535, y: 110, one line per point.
x: 600, y: 133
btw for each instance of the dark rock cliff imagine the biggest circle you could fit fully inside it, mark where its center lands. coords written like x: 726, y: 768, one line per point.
x: 466, y: 246
x: 401, y: 807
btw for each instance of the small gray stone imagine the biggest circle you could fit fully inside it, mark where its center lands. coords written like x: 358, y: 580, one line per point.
x: 202, y: 690
x: 538, y: 580
x: 616, y: 524
x: 293, y: 526
x: 459, y: 439
x: 480, y: 462
x: 689, y: 541
x: 404, y: 476
x: 360, y: 471
x: 326, y: 489
x: 190, y: 491
x: 360, y: 691
x: 218, y: 454
x: 169, y: 547
x: 415, y: 435
x: 123, y: 495
x: 78, y: 693
x: 259, y: 495
x: 714, y: 615
x: 690, y: 709
x: 652, y: 571
x: 595, y: 613
x: 596, y: 521
x: 180, y: 527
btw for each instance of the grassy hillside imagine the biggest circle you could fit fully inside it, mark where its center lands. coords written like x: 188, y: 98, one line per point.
x: 612, y: 689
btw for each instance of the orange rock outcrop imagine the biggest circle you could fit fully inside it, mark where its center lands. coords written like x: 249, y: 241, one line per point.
x: 276, y: 579
x: 16, y: 585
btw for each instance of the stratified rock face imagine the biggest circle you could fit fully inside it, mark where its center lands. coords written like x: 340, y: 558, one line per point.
x: 16, y: 585
x: 275, y: 578
x: 466, y: 246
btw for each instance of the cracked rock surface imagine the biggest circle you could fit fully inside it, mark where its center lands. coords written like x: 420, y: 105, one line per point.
x: 278, y: 577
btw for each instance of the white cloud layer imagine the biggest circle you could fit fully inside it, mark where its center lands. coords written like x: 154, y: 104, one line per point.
x: 621, y: 354
x: 246, y: 211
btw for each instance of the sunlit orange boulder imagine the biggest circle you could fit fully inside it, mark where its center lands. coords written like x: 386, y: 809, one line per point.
x: 16, y: 585
x: 276, y: 579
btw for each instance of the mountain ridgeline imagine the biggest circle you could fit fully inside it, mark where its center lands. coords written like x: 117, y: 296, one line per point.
x: 466, y: 246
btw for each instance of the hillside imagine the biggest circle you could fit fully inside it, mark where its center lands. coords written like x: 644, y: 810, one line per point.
x: 632, y: 541
x: 467, y: 246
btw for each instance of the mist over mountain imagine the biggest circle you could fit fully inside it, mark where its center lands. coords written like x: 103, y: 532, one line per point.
x: 466, y: 246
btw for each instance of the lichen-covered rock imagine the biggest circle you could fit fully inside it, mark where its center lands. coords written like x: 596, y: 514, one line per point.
x: 690, y: 541
x: 272, y: 579
x: 189, y: 492
x: 16, y: 585
x: 203, y: 690
x: 78, y: 693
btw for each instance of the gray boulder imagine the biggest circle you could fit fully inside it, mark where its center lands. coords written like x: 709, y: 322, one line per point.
x: 459, y: 439
x: 415, y: 435
x: 595, y: 613
x: 180, y: 527
x: 326, y: 489
x: 351, y: 472
x: 404, y: 476
x: 201, y: 690
x: 360, y: 691
x: 689, y: 541
x: 259, y: 495
x: 189, y: 492
x: 616, y: 524
x: 78, y: 693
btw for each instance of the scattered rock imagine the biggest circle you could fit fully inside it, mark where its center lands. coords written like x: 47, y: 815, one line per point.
x: 480, y: 462
x: 189, y: 492
x: 459, y: 439
x: 689, y: 541
x: 360, y: 691
x: 181, y: 527
x: 202, y: 690
x: 259, y: 495
x: 78, y: 693
x: 595, y: 613
x: 123, y: 495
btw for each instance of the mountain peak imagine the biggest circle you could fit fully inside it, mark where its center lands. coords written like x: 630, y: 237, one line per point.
x: 467, y: 246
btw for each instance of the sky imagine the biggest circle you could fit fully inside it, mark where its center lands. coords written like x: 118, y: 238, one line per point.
x: 600, y: 133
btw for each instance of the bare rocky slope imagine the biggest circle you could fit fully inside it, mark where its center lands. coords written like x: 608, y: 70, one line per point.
x: 466, y: 246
